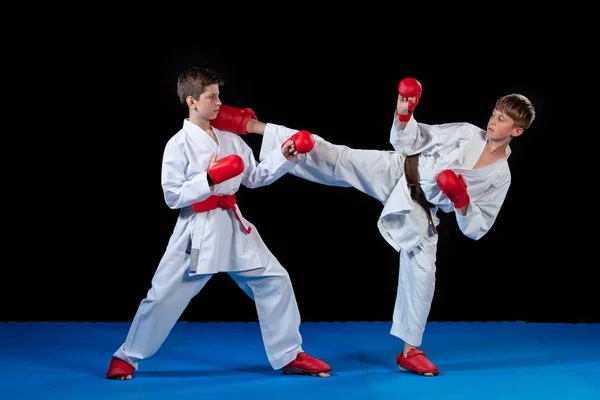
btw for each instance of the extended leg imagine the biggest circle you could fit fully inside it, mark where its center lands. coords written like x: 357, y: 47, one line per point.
x: 374, y: 172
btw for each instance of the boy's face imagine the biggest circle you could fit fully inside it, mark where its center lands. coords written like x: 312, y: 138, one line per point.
x: 207, y: 105
x: 501, y: 126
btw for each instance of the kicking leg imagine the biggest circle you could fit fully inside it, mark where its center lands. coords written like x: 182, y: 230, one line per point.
x: 374, y: 172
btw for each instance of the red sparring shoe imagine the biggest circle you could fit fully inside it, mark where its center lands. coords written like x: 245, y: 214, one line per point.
x: 118, y: 368
x: 416, y: 362
x: 305, y: 364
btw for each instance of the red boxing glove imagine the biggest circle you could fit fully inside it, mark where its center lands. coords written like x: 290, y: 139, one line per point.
x: 226, y: 168
x: 453, y: 186
x: 233, y: 119
x: 303, y: 140
x: 410, y: 87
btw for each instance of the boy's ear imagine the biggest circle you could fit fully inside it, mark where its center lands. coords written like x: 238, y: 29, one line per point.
x: 518, y: 132
x: 190, y: 101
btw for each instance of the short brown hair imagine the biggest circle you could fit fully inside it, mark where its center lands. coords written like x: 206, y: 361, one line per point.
x: 519, y: 108
x: 193, y: 82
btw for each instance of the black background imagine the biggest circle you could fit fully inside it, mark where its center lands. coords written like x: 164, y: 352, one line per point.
x: 93, y: 224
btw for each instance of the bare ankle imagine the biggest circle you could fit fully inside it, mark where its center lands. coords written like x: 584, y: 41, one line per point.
x: 407, y: 348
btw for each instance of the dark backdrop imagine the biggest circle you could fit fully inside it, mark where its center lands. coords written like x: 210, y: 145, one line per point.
x: 100, y: 224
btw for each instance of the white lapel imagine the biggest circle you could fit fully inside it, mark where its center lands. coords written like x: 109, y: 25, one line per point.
x: 199, y: 136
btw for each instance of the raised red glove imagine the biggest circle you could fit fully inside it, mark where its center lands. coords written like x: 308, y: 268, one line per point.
x: 453, y: 186
x: 409, y: 87
x: 226, y: 168
x: 303, y: 140
x: 233, y: 119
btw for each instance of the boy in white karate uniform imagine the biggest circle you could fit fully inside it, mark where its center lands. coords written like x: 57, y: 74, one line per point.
x: 455, y: 167
x: 202, y: 169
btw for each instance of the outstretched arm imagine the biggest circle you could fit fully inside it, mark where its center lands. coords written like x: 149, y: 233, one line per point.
x: 273, y: 166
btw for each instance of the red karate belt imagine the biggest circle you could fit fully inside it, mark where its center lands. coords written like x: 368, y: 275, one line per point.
x: 226, y: 201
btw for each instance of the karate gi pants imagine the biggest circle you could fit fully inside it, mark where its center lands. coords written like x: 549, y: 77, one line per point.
x: 172, y: 289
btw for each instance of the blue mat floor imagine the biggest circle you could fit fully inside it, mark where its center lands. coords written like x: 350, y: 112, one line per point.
x: 493, y: 360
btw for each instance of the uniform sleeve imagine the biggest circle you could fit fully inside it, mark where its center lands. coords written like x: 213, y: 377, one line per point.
x: 483, y: 211
x: 265, y: 172
x: 413, y: 139
x: 418, y: 137
x: 178, y: 191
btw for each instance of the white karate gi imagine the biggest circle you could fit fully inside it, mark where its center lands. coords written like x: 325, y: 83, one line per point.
x: 403, y: 222
x: 205, y: 243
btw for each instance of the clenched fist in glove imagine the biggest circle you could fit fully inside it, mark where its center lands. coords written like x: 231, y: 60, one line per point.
x: 233, y: 119
x: 303, y: 141
x: 224, y: 169
x: 409, y: 89
x: 453, y: 186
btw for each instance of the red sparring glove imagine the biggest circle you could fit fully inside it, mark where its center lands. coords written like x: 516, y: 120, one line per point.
x: 233, y: 119
x: 409, y: 87
x: 453, y: 186
x: 303, y: 140
x: 226, y: 168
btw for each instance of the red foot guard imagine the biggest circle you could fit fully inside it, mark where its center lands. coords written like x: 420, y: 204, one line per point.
x: 416, y: 362
x: 118, y: 368
x: 305, y: 364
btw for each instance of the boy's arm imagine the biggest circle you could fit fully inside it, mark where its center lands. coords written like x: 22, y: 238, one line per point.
x: 277, y: 161
x: 474, y: 217
x: 243, y: 121
x: 406, y: 135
